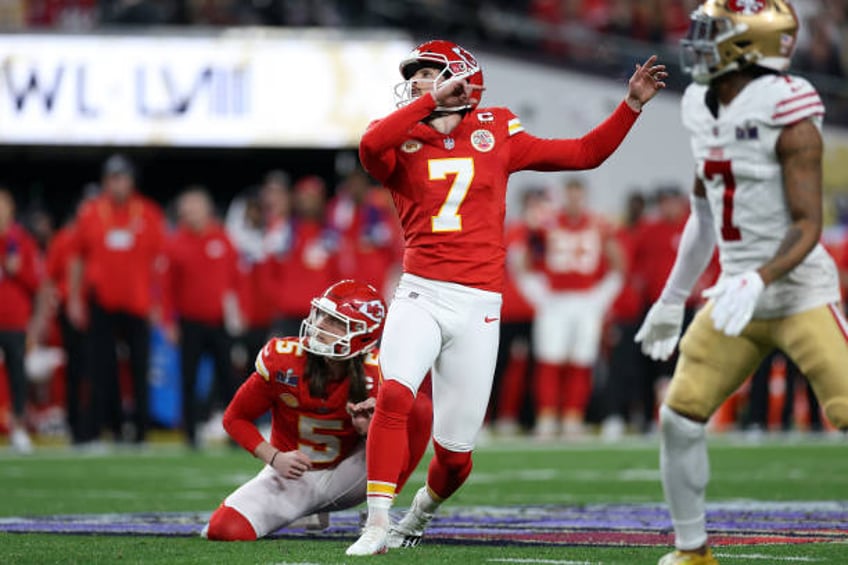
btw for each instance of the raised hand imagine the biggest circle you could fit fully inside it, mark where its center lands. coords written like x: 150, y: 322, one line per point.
x: 647, y: 80
x: 455, y: 92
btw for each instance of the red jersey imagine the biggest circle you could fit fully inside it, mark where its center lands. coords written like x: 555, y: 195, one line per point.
x: 573, y: 256
x: 629, y: 305
x: 515, y: 306
x: 655, y: 253
x: 368, y: 236
x: 305, y: 270
x: 202, y: 268
x: 321, y: 428
x: 449, y: 190
x: 18, y: 289
x: 119, y: 244
x: 58, y: 257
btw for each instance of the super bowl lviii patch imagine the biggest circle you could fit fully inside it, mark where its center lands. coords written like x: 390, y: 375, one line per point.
x: 482, y: 140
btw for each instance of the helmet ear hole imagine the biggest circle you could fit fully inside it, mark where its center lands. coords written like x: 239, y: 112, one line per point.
x: 345, y: 321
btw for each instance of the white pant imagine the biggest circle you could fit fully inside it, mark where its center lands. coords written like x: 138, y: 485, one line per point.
x: 568, y: 329
x: 452, y: 330
x: 270, y: 502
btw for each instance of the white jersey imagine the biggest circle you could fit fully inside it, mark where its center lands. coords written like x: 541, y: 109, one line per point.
x: 736, y: 159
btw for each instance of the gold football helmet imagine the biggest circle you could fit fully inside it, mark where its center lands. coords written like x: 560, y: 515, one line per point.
x: 728, y: 35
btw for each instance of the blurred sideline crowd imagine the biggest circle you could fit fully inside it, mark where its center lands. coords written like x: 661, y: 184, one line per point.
x: 594, y: 36
x: 131, y: 317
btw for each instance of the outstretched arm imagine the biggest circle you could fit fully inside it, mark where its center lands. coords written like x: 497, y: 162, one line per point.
x: 589, y: 151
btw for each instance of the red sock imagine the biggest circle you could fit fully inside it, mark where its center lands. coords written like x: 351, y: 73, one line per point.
x: 577, y: 388
x: 387, y: 448
x: 547, y: 388
x: 512, y: 387
x: 448, y: 471
x: 419, y: 426
x: 227, y: 524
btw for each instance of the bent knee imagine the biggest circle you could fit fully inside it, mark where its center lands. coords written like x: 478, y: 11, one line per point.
x: 227, y: 524
x: 454, y: 461
x: 836, y: 410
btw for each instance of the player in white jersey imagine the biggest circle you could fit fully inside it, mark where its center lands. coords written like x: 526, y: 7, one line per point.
x: 756, y: 138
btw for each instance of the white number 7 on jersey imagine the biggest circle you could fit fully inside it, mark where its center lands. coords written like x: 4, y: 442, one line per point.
x: 448, y: 218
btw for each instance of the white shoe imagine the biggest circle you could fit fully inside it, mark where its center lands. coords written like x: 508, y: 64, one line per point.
x: 371, y: 542
x: 408, y: 532
x: 546, y: 428
x: 507, y: 428
x: 20, y: 441
x: 612, y: 429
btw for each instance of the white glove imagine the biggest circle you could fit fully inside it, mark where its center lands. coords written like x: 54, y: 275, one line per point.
x: 606, y: 291
x: 661, y: 330
x: 534, y: 287
x: 734, y: 300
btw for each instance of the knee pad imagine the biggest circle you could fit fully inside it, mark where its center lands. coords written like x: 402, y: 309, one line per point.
x: 227, y: 524
x: 675, y: 426
x: 836, y: 410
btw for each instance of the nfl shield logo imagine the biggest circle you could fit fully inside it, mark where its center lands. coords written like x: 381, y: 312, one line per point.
x: 449, y: 143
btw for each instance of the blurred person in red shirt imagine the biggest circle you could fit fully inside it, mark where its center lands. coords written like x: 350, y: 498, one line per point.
x: 200, y: 292
x: 119, y: 238
x: 259, y: 226
x: 573, y: 271
x: 515, y: 363
x: 57, y: 262
x: 369, y: 240
x: 653, y: 258
x: 320, y: 389
x: 306, y: 263
x: 20, y: 274
x: 625, y: 358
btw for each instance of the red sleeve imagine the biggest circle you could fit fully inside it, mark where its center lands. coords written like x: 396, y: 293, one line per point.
x: 166, y: 271
x: 253, y: 398
x: 587, y: 152
x: 29, y: 276
x: 376, y: 148
x: 158, y: 250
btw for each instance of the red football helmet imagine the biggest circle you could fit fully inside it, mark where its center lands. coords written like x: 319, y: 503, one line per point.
x: 345, y: 321
x: 447, y: 56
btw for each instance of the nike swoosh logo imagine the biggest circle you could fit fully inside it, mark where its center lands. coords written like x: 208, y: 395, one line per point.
x: 489, y: 319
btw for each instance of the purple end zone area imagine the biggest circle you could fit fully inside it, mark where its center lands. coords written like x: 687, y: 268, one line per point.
x: 609, y: 525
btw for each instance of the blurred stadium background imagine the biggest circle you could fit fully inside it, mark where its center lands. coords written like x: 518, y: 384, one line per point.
x: 219, y: 93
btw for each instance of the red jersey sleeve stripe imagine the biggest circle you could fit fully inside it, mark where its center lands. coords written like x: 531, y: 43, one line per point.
x: 797, y: 98
x: 804, y: 109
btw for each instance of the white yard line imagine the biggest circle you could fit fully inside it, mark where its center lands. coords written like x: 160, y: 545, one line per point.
x: 766, y: 557
x: 546, y: 561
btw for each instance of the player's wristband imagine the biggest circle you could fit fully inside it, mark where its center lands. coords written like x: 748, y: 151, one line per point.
x: 271, y: 462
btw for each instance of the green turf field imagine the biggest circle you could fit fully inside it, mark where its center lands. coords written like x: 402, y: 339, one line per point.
x: 166, y: 479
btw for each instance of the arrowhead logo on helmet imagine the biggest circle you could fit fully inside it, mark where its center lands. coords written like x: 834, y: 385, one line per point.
x: 449, y: 58
x: 345, y: 321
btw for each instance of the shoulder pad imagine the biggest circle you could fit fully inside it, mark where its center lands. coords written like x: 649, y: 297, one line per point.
x: 790, y: 99
x: 274, y: 353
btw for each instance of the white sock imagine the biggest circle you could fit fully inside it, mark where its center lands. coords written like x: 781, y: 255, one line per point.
x: 378, y: 511
x: 424, y: 500
x: 685, y: 470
